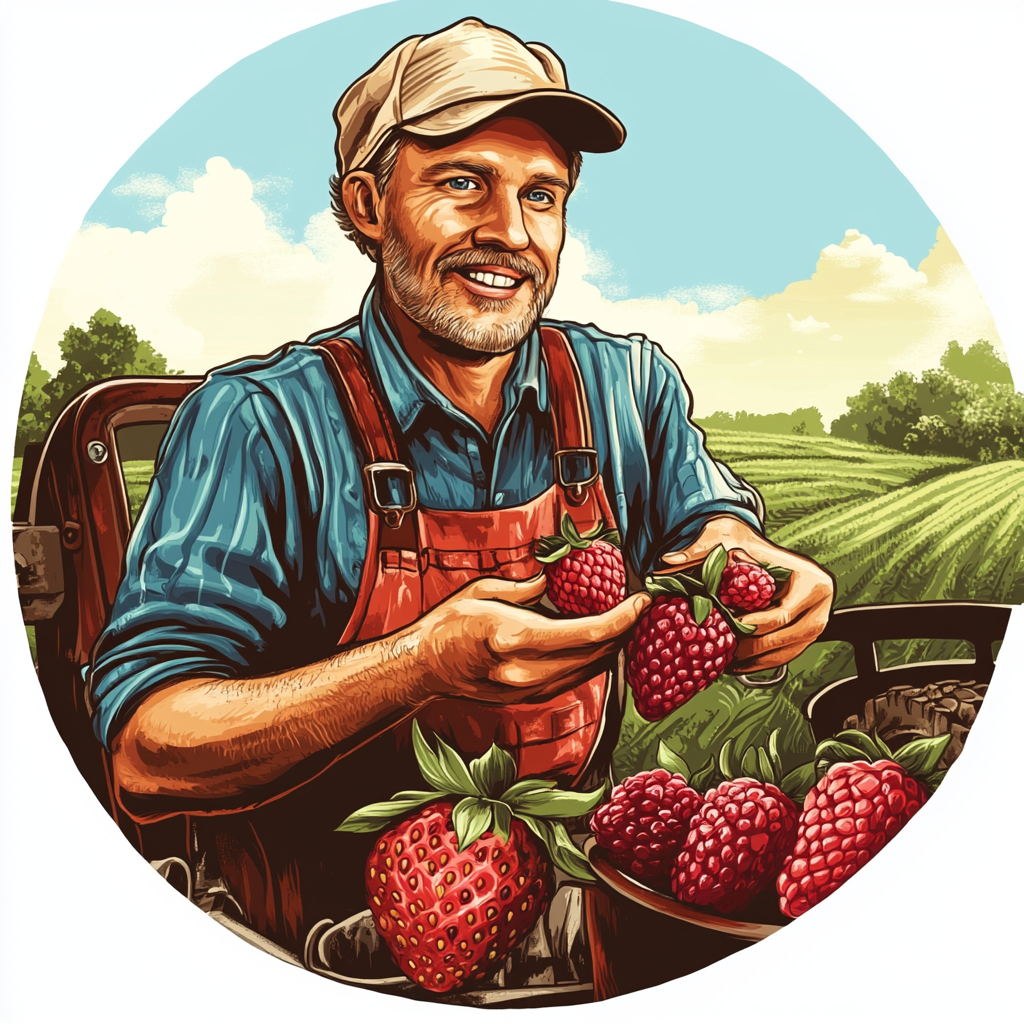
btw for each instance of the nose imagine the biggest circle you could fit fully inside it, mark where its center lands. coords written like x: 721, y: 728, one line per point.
x: 503, y: 225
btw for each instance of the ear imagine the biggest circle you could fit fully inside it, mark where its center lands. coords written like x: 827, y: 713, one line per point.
x: 362, y: 201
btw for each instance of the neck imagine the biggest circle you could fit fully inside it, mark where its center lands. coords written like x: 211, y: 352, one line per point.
x: 472, y: 381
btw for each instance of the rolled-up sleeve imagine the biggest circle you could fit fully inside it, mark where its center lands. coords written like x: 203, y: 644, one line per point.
x: 212, y: 561
x: 688, y: 486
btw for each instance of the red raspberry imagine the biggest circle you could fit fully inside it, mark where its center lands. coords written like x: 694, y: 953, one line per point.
x: 645, y: 822
x: 746, y: 587
x: 853, y: 811
x: 588, y: 582
x: 672, y: 657
x: 736, y: 842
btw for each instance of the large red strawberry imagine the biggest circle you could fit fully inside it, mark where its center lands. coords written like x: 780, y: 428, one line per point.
x: 739, y: 836
x: 462, y: 879
x: 866, y: 795
x: 585, y: 571
x: 645, y: 821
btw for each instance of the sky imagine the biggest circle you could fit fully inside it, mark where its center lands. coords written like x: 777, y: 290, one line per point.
x: 747, y: 225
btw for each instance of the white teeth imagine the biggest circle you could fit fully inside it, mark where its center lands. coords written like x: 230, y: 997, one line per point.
x: 492, y: 280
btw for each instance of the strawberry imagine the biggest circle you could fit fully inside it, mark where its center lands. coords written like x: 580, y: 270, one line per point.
x: 746, y: 587
x: 585, y: 572
x: 465, y: 875
x: 740, y: 834
x: 645, y: 821
x: 853, y: 810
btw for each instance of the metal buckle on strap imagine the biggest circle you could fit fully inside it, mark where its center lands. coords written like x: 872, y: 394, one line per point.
x: 390, y: 491
x: 575, y: 470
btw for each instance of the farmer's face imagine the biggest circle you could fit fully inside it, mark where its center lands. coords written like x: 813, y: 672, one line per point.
x: 472, y: 233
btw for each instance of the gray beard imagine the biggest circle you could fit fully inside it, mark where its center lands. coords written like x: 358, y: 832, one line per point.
x: 415, y: 296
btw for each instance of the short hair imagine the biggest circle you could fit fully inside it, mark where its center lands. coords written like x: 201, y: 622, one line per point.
x: 381, y: 166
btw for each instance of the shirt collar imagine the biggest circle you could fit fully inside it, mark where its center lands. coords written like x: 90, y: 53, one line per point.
x: 408, y: 390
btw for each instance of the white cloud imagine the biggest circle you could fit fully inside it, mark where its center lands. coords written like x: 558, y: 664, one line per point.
x: 218, y: 280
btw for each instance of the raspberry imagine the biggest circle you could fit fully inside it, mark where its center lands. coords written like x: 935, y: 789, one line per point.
x: 645, y: 822
x: 736, y: 842
x: 746, y: 587
x: 852, y: 812
x: 585, y: 572
x: 672, y: 657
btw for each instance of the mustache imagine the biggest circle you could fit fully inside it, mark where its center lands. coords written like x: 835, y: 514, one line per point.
x: 519, y: 265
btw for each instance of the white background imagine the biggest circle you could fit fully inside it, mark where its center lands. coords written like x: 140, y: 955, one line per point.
x: 929, y: 932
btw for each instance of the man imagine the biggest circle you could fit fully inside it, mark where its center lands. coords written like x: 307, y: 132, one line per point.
x: 339, y: 536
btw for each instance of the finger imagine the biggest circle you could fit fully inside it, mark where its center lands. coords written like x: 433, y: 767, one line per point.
x: 806, y: 592
x: 770, y: 659
x: 552, y: 674
x: 588, y: 631
x: 512, y: 591
x: 802, y: 632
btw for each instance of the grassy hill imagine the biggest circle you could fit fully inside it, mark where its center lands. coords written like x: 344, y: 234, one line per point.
x: 892, y: 528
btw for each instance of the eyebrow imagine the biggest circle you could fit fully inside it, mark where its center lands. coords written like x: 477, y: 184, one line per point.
x: 489, y: 171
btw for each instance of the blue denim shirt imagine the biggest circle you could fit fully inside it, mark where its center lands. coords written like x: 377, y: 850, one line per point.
x: 248, y: 551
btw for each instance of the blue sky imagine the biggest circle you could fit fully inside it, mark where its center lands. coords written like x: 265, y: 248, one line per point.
x: 736, y: 171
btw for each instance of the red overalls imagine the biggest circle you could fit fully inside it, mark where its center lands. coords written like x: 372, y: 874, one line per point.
x: 416, y: 558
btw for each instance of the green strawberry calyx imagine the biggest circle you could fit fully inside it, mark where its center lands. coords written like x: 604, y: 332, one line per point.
x: 490, y: 798
x: 552, y: 549
x: 919, y: 758
x: 763, y: 764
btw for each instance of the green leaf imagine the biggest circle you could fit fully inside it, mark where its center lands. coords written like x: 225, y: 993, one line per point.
x: 571, y: 534
x: 701, y: 780
x: 556, y: 804
x: 861, y: 740
x: 797, y: 784
x: 921, y: 757
x: 612, y: 537
x: 494, y: 772
x: 778, y: 573
x: 711, y: 571
x: 724, y: 759
x: 594, y: 533
x: 430, y: 766
x: 774, y: 755
x: 374, y: 817
x: 471, y: 818
x: 935, y: 779
x: 551, y: 552
x: 456, y: 771
x: 835, y: 752
x: 748, y: 763
x: 882, y: 746
x: 738, y: 626
x: 564, y: 853
x: 526, y: 786
x: 765, y: 766
x: 671, y: 762
x: 502, y: 820
x: 675, y: 584
x: 701, y: 607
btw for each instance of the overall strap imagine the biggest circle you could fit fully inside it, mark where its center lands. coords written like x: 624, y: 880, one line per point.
x: 576, y: 465
x: 390, y: 486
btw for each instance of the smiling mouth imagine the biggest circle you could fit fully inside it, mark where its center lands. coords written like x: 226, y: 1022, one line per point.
x: 493, y: 282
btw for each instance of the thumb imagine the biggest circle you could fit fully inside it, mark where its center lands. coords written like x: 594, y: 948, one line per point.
x: 692, y: 555
x: 494, y: 588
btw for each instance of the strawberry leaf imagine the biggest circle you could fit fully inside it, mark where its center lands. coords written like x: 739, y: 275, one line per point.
x: 834, y: 751
x: 571, y: 534
x: 556, y: 804
x: 374, y: 817
x: 676, y: 584
x: 861, y: 740
x: 883, y: 746
x: 671, y: 761
x: 525, y: 786
x: 738, y: 626
x: 595, y: 533
x: 711, y: 571
x: 471, y: 818
x: 455, y: 770
x: 494, y: 772
x: 502, y: 820
x: 921, y: 757
x: 430, y: 766
x: 724, y: 759
x: 612, y: 537
x: 563, y: 851
x: 551, y: 549
x: 774, y: 755
x: 765, y: 766
x: 797, y: 784
x: 701, y: 608
x: 748, y: 763
x: 933, y: 781
x: 779, y: 573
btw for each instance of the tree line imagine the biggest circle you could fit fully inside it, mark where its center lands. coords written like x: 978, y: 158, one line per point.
x: 106, y: 348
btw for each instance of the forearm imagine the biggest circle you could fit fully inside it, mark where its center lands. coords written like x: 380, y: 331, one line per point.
x: 209, y: 740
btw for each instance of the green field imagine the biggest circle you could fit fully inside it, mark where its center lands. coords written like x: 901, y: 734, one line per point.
x: 891, y: 528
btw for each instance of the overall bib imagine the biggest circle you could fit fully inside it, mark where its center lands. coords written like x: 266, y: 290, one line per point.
x: 284, y: 862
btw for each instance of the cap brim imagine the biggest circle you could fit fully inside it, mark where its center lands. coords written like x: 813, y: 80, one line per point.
x: 575, y: 121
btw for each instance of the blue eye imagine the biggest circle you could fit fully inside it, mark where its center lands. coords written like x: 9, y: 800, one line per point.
x: 539, y: 196
x: 463, y: 184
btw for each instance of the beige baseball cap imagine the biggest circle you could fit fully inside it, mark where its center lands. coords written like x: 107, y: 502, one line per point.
x: 447, y: 82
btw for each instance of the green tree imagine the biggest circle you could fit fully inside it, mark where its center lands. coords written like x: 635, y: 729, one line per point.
x: 807, y: 422
x: 34, y: 415
x: 107, y: 348
x: 981, y: 364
